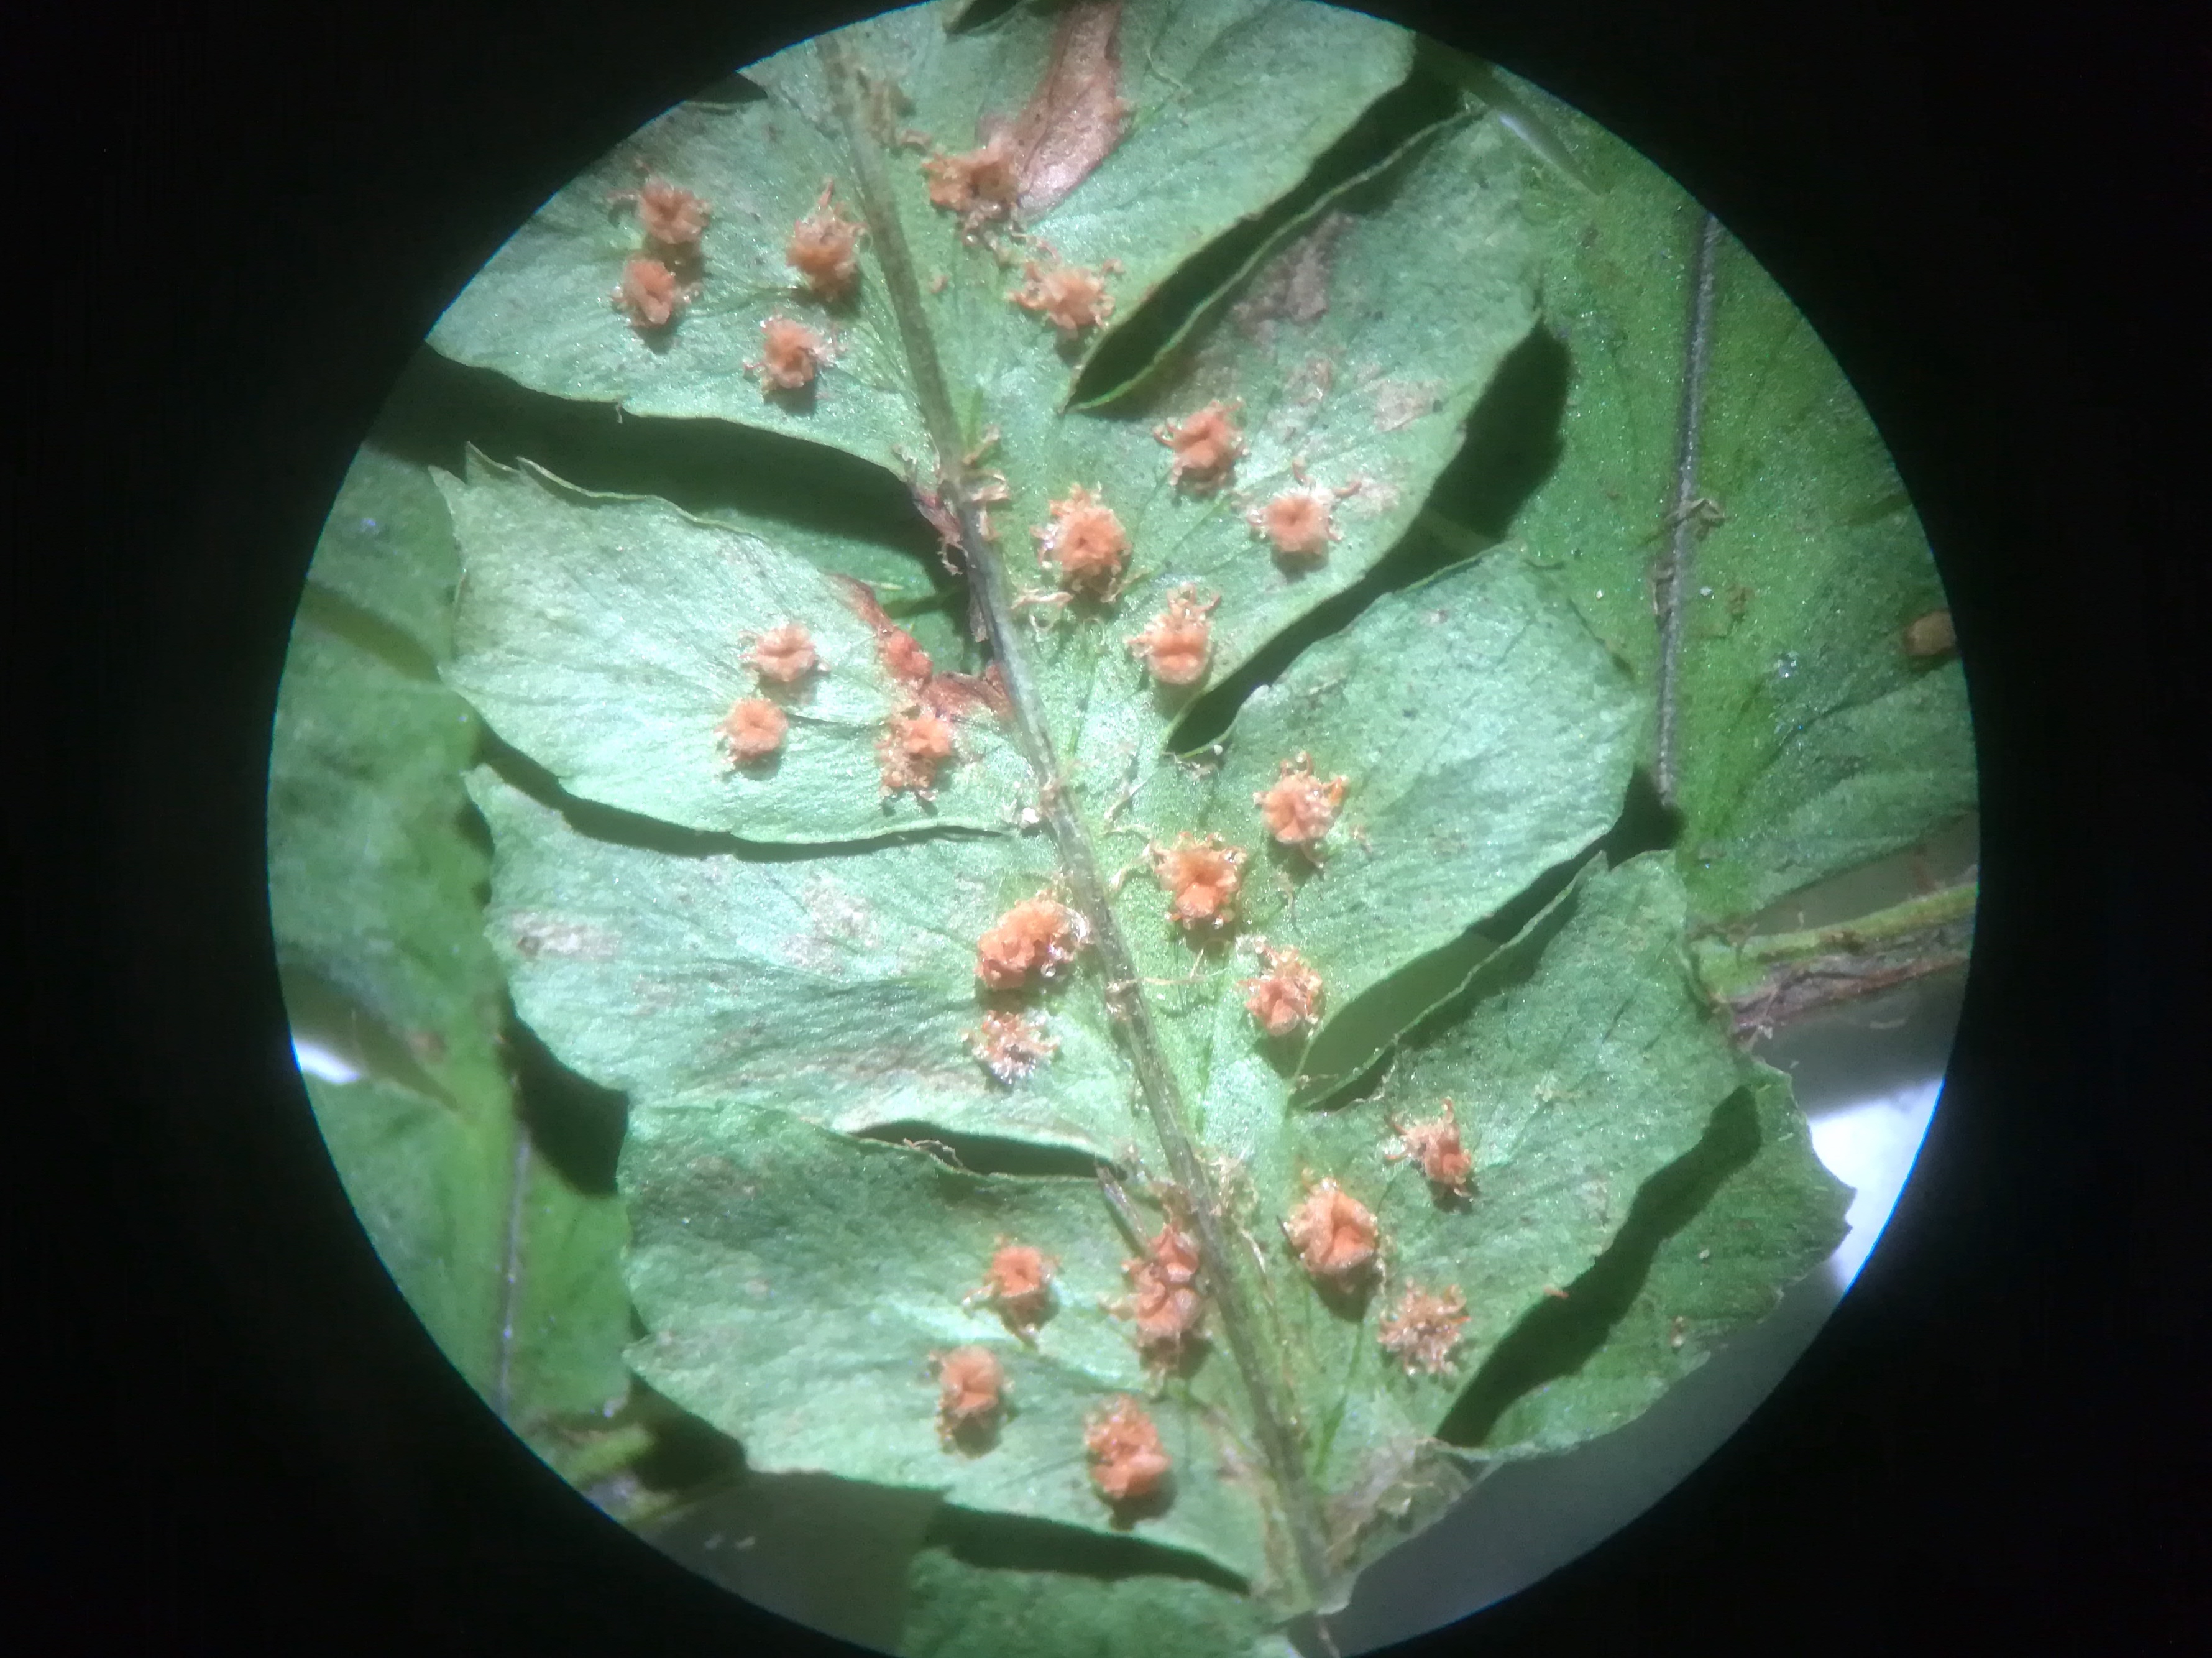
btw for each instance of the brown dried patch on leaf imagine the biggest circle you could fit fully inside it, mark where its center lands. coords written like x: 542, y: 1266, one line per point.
x: 1017, y: 1284
x: 1164, y: 1303
x: 884, y: 104
x: 1931, y: 635
x: 1068, y: 296
x: 672, y: 218
x: 902, y: 656
x: 865, y: 605
x: 1086, y: 540
x: 1128, y: 1464
x: 904, y: 660
x: 1310, y: 382
x: 1400, y: 403
x: 1039, y: 936
x: 971, y: 1388
x: 1200, y: 877
x: 754, y: 730
x: 537, y: 935
x: 1335, y: 1235
x: 940, y: 518
x: 791, y: 355
x: 1177, y: 642
x: 1435, y: 1145
x: 1012, y: 1045
x: 962, y: 696
x: 650, y: 293
x: 1076, y: 115
x: 825, y: 249
x: 914, y: 747
x: 1423, y: 1329
x: 1298, y: 807
x: 1286, y: 996
x: 784, y: 654
x: 947, y: 696
x: 1206, y: 445
x: 1293, y: 286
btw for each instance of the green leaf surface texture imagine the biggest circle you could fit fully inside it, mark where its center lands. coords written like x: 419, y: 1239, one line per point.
x: 1811, y: 740
x: 375, y: 897
x: 1208, y: 140
x: 778, y: 964
x: 595, y: 634
x: 965, y: 1607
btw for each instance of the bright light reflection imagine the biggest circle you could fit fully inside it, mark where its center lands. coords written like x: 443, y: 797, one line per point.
x: 316, y: 1061
x: 1871, y: 1145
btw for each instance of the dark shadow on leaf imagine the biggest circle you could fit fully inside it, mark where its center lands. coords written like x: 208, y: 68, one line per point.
x: 1429, y: 992
x: 575, y: 1125
x: 1127, y: 354
x: 1450, y: 1200
x: 1352, y: 1048
x: 796, y: 400
x: 1313, y: 1092
x: 1157, y: 387
x: 440, y: 407
x: 1279, y: 1053
x: 1646, y: 823
x: 1346, y: 1303
x: 731, y: 89
x: 475, y: 831
x: 1355, y: 1042
x: 1186, y: 1358
x: 1294, y: 864
x: 1170, y: 700
x: 1503, y: 925
x: 1492, y: 473
x: 981, y: 13
x: 686, y: 1454
x: 1133, y: 1511
x: 1556, y: 1337
x: 978, y: 1154
x: 1068, y: 348
x: 1886, y: 505
x: 827, y: 1553
x: 634, y: 830
x: 360, y: 626
x: 978, y: 1436
x: 1514, y: 439
x: 1011, y: 1543
x: 1513, y: 960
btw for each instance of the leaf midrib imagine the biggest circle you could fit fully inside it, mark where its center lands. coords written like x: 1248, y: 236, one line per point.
x: 1127, y: 1005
